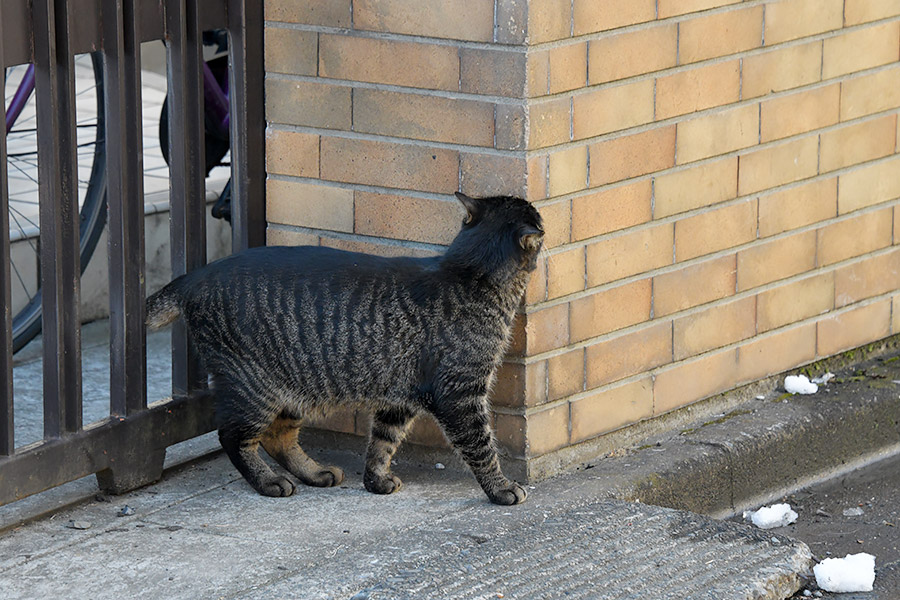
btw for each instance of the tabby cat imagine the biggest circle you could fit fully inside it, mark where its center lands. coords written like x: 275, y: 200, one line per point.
x: 285, y: 332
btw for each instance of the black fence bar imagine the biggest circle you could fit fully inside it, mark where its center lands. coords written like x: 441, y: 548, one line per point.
x: 187, y: 189
x: 125, y: 195
x: 59, y: 217
x: 247, y: 85
x: 7, y: 431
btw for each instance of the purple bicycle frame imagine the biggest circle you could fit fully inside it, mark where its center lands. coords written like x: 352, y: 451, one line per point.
x: 215, y: 99
x: 23, y: 92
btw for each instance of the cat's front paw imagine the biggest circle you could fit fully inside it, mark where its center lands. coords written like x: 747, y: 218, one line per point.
x: 327, y: 477
x: 277, y: 487
x: 514, y: 494
x: 382, y: 485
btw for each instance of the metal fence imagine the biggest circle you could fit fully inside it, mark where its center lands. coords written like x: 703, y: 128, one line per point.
x: 127, y: 449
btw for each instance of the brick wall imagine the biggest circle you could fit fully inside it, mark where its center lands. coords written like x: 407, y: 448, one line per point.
x: 719, y: 180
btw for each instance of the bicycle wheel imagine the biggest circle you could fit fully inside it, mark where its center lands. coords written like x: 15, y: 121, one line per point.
x: 23, y: 188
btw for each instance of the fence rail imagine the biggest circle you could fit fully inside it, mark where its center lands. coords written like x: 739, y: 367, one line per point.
x: 126, y: 449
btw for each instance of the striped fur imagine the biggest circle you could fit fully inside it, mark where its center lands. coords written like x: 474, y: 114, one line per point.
x: 286, y: 332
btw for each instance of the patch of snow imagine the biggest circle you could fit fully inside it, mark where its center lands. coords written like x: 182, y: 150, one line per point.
x: 853, y: 573
x: 824, y: 379
x: 799, y: 384
x: 777, y: 515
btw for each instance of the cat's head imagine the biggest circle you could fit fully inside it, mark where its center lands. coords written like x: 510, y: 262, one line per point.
x: 503, y: 228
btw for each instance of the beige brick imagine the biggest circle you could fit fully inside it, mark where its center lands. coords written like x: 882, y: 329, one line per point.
x: 565, y: 374
x: 611, y: 409
x: 609, y: 310
x: 424, y: 431
x: 471, y: 20
x: 536, y: 177
x: 276, y: 236
x: 855, y: 236
x: 801, y: 112
x: 858, y: 143
x: 870, y: 94
x: 309, y: 205
x: 776, y: 353
x: 698, y: 89
x: 610, y: 210
x: 547, y: 329
x: 592, y: 16
x: 629, y: 254
x: 632, y: 155
x: 510, y: 121
x: 537, y: 283
x: 714, y: 327
x: 291, y: 51
x: 869, y: 185
x: 781, y: 69
x: 863, y: 11
x: 861, y: 49
x: 632, y: 53
x: 870, y: 277
x: 549, y: 20
x: 611, y: 109
x: 678, y: 290
x: 628, y: 354
x: 672, y: 8
x: 718, y: 133
x: 549, y: 123
x: 720, y: 34
x: 777, y: 165
x: 401, y: 217
x: 895, y: 314
x: 422, y: 117
x: 568, y: 170
x: 512, y: 22
x: 312, y: 104
x: 568, y: 67
x: 511, y: 433
x: 776, y: 259
x: 688, y: 382
x: 492, y: 175
x: 537, y: 67
x: 520, y: 385
x: 328, y: 13
x: 492, y: 72
x: 389, y: 164
x: 795, y: 301
x: 548, y: 430
x: 792, y: 19
x: 797, y: 206
x: 428, y: 66
x: 557, y: 223
x: 372, y: 246
x: 292, y: 153
x: 703, y: 185
x: 715, y: 230
x: 341, y: 419
x: 854, y: 328
x: 518, y: 345
x: 565, y: 273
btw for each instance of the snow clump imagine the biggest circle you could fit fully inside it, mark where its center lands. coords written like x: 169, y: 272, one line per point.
x: 853, y: 573
x: 799, y: 384
x: 769, y: 517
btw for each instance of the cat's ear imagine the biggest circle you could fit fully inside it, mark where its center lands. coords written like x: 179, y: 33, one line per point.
x: 530, y: 238
x: 473, y: 207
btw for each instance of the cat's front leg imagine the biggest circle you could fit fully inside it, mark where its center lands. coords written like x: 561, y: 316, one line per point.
x: 466, y: 421
x: 389, y: 427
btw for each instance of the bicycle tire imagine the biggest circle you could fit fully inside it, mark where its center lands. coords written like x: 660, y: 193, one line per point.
x: 92, y: 218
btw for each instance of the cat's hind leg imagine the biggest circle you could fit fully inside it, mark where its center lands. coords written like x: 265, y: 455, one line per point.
x: 280, y: 441
x: 241, y: 426
x: 389, y: 427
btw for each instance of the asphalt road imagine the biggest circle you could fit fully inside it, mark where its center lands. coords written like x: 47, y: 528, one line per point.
x: 875, y: 490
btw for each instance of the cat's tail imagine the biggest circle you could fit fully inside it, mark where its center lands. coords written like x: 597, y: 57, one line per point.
x: 163, y: 307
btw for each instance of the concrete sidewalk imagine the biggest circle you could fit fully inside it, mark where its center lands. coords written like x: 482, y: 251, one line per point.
x: 203, y: 533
